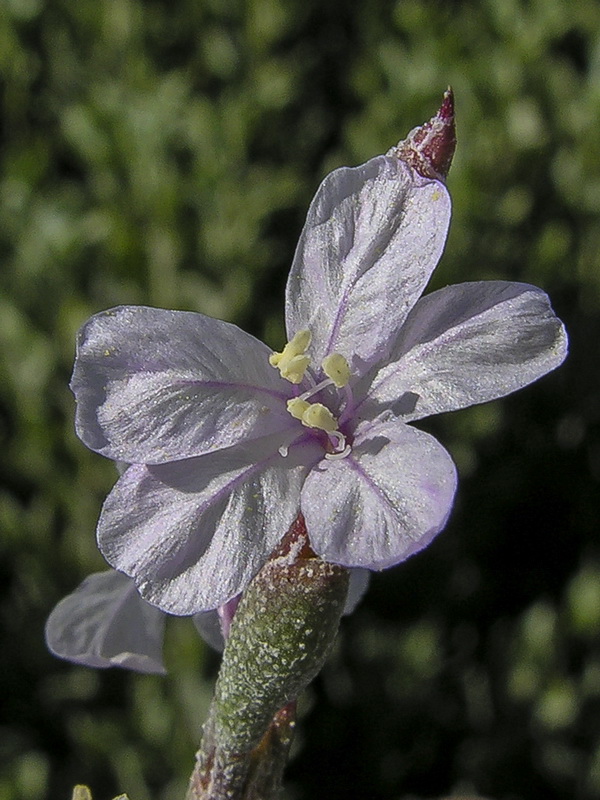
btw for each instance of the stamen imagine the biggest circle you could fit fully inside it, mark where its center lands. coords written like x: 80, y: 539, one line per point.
x: 313, y: 415
x: 290, y: 441
x: 348, y: 407
x: 337, y: 368
x: 319, y: 416
x: 308, y: 378
x: 293, y: 362
x: 316, y: 388
x: 297, y: 406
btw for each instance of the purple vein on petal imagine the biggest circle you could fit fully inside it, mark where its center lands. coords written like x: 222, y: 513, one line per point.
x: 369, y: 481
x: 339, y: 315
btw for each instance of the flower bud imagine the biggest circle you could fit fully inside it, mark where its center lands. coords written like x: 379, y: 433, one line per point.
x: 429, y: 148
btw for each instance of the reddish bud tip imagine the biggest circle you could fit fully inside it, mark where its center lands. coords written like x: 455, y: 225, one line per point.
x: 429, y: 148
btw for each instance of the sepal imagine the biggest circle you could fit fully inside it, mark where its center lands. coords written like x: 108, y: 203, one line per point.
x: 279, y: 639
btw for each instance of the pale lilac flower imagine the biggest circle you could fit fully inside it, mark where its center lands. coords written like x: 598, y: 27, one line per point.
x: 229, y: 442
x: 105, y: 623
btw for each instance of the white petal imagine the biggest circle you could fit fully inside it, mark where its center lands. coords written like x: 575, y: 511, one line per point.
x: 383, y: 502
x: 154, y: 385
x: 467, y: 344
x: 359, y: 583
x: 208, y: 626
x: 372, y: 238
x: 105, y: 623
x: 193, y: 533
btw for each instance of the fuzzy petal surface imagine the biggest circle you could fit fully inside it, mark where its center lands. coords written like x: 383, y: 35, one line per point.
x: 193, y: 533
x: 105, y: 623
x: 383, y: 502
x: 372, y: 238
x: 468, y: 344
x: 153, y: 385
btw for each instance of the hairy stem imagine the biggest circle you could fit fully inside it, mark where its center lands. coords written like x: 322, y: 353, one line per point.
x: 279, y: 638
x: 256, y: 775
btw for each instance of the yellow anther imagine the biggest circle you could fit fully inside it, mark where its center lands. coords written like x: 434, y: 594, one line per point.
x: 313, y: 415
x: 294, y: 369
x: 292, y: 361
x: 296, y: 407
x: 337, y: 368
x: 320, y: 417
x: 295, y: 347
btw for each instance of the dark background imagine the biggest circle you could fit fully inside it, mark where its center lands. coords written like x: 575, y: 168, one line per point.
x: 165, y: 153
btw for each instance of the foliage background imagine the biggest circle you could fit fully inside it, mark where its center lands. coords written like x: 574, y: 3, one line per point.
x: 165, y: 153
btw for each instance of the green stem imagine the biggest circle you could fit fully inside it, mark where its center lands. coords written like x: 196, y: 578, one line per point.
x: 257, y: 775
x: 279, y: 639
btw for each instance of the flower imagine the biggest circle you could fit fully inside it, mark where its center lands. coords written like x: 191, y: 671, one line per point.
x: 229, y: 441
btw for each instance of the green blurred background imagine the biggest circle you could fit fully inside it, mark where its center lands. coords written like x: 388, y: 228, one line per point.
x: 165, y: 152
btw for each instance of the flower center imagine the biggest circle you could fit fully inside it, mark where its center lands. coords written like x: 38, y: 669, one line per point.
x: 293, y: 364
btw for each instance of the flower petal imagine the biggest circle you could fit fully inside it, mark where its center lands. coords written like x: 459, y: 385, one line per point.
x: 155, y: 385
x: 208, y: 626
x: 372, y: 238
x: 467, y: 344
x: 383, y: 502
x: 358, y: 585
x: 105, y: 623
x: 193, y: 533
